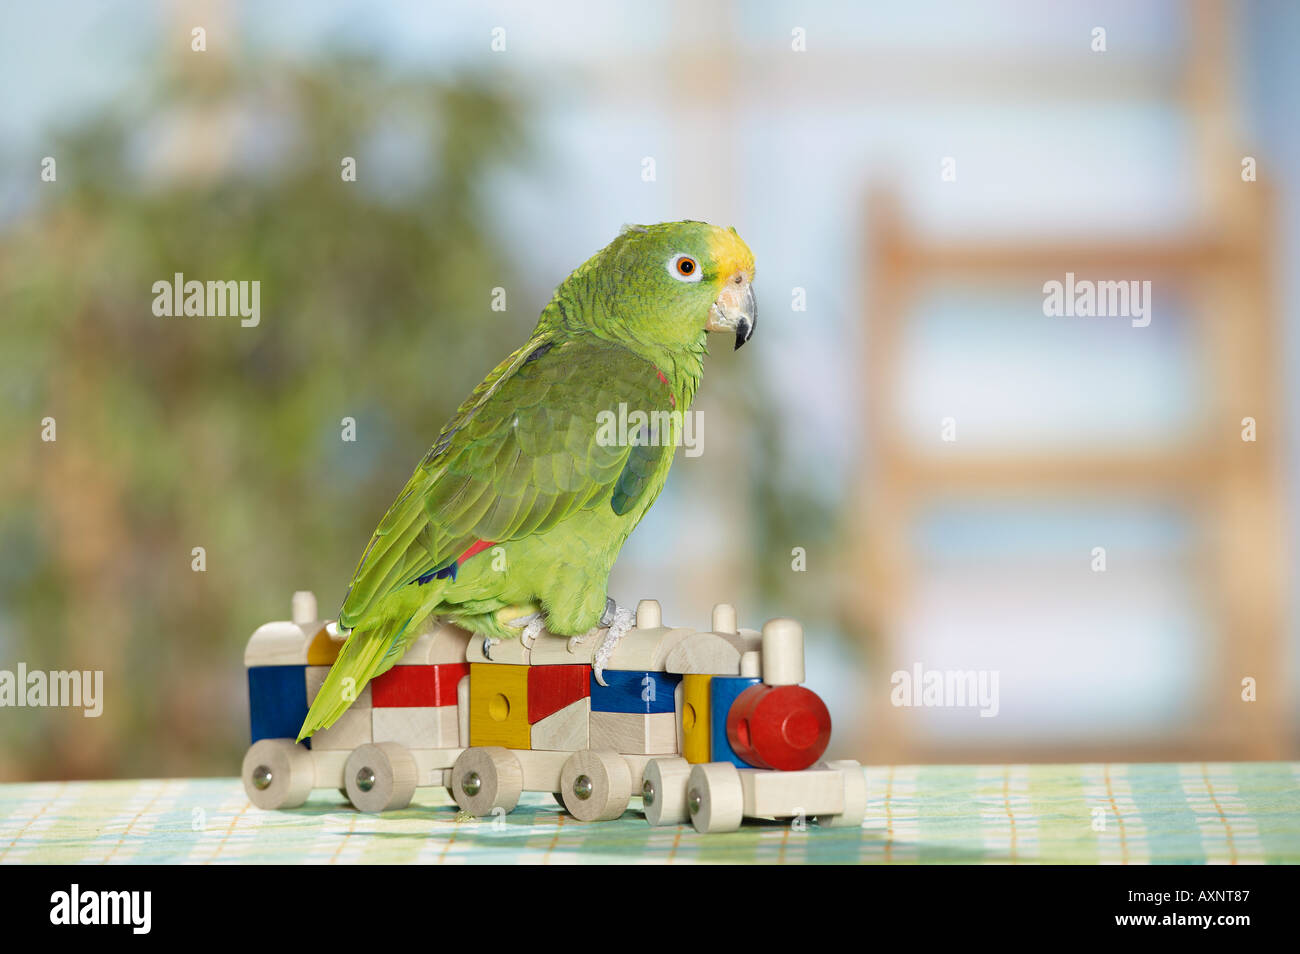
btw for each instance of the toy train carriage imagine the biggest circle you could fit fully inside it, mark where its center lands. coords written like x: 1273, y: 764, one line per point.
x: 707, y: 726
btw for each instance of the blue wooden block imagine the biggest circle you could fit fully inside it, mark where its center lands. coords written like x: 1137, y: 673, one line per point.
x: 630, y: 691
x: 723, y: 691
x: 277, y: 701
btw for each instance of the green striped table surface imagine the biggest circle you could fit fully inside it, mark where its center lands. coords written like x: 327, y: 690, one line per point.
x: 1229, y: 813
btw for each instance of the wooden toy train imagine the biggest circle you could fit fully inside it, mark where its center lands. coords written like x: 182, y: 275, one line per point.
x: 712, y: 726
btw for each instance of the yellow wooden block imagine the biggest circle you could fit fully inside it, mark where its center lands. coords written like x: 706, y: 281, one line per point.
x: 498, y: 705
x: 323, y: 650
x: 695, y: 718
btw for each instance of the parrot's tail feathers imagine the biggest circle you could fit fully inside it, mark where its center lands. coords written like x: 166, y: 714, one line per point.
x: 368, y: 652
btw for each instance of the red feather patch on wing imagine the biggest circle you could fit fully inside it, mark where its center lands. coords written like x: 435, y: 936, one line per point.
x: 476, y: 548
x: 663, y: 378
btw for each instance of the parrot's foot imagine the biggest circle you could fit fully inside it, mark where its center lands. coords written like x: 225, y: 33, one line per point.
x: 488, y: 643
x: 622, y: 623
x: 606, y: 618
x: 532, y: 631
x: 531, y: 626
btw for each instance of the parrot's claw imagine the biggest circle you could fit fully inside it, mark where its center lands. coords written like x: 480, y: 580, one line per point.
x: 531, y: 631
x: 619, y: 626
x: 531, y: 625
x: 488, y: 643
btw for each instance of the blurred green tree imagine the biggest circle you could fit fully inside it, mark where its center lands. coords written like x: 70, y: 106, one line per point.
x: 176, y: 433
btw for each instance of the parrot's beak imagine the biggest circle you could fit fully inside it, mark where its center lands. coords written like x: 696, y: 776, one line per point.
x: 735, y: 309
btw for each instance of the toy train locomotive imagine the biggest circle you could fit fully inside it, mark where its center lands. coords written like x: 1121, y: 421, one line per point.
x: 710, y: 727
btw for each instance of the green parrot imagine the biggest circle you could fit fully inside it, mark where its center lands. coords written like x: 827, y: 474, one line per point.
x: 527, y: 471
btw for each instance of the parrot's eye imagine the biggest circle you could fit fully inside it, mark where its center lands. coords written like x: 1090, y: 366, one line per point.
x: 684, y: 268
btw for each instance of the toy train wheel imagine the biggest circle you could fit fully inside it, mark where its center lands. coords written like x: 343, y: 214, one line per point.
x: 278, y: 773
x: 596, y: 786
x: 855, y: 796
x: 663, y: 794
x: 715, y: 797
x: 485, y: 779
x: 380, y: 777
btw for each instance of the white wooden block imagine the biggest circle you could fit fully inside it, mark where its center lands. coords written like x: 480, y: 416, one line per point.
x: 304, y: 607
x: 462, y: 710
x: 786, y: 794
x: 541, y: 769
x: 724, y: 618
x: 329, y: 766
x: 278, y: 644
x: 646, y: 650
x: 316, y: 676
x: 434, y: 765
x: 418, y: 727
x: 649, y: 615
x: 855, y: 796
x: 510, y: 652
x: 782, y: 652
x: 714, y: 654
x: 549, y: 650
x: 641, y: 649
x: 634, y: 733
x: 439, y: 643
x: 567, y: 730
x: 351, y: 729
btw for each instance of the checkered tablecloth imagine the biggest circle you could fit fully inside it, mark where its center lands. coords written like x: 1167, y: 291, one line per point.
x: 1242, y: 813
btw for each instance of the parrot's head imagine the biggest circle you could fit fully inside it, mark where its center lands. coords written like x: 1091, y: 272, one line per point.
x: 668, y: 284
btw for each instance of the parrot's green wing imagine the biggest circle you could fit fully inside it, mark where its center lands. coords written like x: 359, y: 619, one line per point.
x: 521, y: 454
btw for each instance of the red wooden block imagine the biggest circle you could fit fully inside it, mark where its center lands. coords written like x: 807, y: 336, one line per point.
x: 406, y: 686
x: 551, y: 688
x: 779, y: 727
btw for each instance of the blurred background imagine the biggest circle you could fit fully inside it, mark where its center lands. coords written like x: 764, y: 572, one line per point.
x: 908, y: 176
